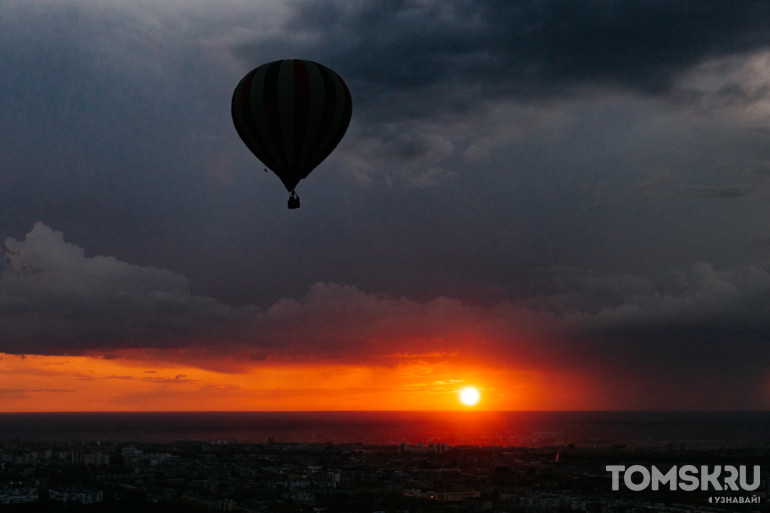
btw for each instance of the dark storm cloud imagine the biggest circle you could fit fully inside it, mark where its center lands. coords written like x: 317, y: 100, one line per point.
x: 427, y: 77
x: 530, y: 48
x: 700, y: 326
x: 702, y: 300
x: 55, y: 299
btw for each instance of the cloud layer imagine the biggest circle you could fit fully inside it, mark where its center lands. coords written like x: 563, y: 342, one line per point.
x: 56, y: 300
x: 695, y: 326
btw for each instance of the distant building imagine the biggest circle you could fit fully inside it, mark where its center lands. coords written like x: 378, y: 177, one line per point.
x: 75, y: 495
x: 455, y: 496
x: 18, y: 492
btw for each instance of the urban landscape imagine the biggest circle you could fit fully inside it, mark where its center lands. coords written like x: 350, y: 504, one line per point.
x: 425, y: 477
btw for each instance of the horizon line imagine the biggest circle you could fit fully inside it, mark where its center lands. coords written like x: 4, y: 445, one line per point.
x: 465, y: 410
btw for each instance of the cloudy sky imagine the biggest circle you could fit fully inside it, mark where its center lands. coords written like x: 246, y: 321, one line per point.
x: 565, y: 204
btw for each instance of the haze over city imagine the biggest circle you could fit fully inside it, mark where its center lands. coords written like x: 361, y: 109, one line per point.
x: 563, y: 205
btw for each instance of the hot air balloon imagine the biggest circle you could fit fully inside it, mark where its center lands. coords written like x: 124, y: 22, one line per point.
x: 291, y: 114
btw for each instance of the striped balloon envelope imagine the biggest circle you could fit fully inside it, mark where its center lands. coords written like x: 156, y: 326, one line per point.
x: 291, y: 114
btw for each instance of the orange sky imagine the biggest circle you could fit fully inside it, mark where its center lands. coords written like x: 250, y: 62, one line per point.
x: 137, y: 381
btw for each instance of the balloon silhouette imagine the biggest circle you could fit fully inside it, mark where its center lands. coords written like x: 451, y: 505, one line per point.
x: 291, y: 114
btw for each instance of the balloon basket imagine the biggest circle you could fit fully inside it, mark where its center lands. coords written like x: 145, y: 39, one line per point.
x: 293, y: 200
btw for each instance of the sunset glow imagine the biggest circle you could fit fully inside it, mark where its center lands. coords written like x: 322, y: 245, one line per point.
x: 137, y: 381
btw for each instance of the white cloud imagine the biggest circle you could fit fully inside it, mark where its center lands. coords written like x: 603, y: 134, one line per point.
x: 737, y: 85
x: 44, y: 264
x: 56, y: 299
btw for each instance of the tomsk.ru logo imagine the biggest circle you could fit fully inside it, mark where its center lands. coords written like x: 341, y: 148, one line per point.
x: 687, y: 477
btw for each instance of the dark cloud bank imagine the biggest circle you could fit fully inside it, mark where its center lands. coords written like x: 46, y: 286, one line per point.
x: 528, y: 48
x: 702, y: 325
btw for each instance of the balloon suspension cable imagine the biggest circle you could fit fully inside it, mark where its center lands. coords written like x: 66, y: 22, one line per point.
x: 293, y: 200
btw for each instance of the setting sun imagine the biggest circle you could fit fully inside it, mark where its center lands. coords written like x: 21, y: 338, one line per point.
x: 469, y: 396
